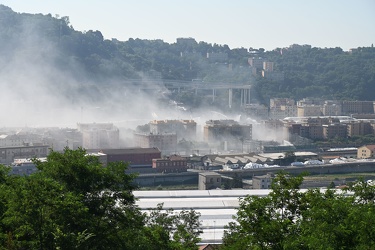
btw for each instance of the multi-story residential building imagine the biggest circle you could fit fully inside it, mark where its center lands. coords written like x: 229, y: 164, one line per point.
x: 256, y: 111
x: 99, y: 135
x: 282, y: 112
x: 357, y: 107
x: 278, y: 102
x: 319, y: 121
x: 314, y: 132
x: 58, y: 139
x: 222, y: 130
x: 273, y: 124
x: 335, y: 130
x: 309, y: 101
x: 19, y: 139
x: 173, y: 163
x: 166, y: 142
x: 183, y: 128
x: 309, y: 110
x: 9, y: 154
x: 331, y: 108
x: 356, y: 128
x: 317, y: 128
x: 367, y: 151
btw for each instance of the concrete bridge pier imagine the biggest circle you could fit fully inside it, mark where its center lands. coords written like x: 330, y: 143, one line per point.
x: 230, y: 99
x: 245, y: 96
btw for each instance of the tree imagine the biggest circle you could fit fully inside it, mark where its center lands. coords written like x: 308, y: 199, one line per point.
x: 38, y: 210
x: 267, y: 222
x: 106, y: 193
x: 74, y: 202
x: 314, y: 219
x: 166, y: 229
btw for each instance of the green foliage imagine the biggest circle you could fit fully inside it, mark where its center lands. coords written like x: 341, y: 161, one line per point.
x: 330, y: 73
x: 74, y: 202
x: 166, y: 229
x: 315, y: 219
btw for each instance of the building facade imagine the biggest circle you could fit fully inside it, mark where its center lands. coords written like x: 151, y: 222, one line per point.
x: 357, y: 107
x: 135, y: 157
x: 209, y: 180
x: 99, y: 135
x: 183, y: 128
x: 262, y: 181
x: 171, y: 164
x: 365, y: 152
x: 220, y: 130
x: 166, y: 142
x: 9, y: 154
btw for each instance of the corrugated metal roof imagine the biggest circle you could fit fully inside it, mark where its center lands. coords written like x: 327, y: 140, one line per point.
x: 216, y: 207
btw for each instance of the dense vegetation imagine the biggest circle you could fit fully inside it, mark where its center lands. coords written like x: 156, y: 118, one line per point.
x: 290, y: 219
x: 74, y: 202
x: 88, y: 57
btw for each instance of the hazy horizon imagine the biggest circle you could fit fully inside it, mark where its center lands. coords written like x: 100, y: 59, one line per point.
x: 240, y: 23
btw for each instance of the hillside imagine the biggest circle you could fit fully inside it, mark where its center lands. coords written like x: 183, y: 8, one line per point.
x: 50, y: 46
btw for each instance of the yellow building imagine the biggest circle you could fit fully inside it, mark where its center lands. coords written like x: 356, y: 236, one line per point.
x: 367, y: 151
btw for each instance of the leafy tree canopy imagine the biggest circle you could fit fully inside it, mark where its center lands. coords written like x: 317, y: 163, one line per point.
x: 315, y: 219
x: 330, y: 73
x: 74, y: 202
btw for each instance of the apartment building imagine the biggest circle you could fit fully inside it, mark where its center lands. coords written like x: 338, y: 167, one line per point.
x: 9, y: 154
x: 221, y: 130
x: 186, y: 129
x: 309, y: 110
x: 358, y: 128
x: 166, y: 142
x: 256, y: 111
x: 99, y: 135
x: 357, y: 107
x: 335, y: 130
x: 278, y: 102
x: 332, y: 108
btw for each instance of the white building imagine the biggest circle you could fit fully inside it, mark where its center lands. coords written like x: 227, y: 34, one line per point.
x: 99, y: 135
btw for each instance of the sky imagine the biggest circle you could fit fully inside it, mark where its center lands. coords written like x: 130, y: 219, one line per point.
x: 237, y: 23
